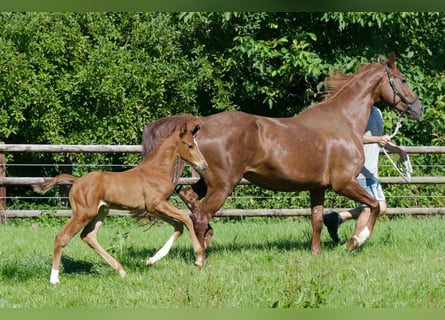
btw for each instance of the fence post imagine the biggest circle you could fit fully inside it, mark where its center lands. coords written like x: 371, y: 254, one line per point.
x: 2, y: 187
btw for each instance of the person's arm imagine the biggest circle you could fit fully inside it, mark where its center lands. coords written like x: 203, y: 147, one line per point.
x: 385, y: 142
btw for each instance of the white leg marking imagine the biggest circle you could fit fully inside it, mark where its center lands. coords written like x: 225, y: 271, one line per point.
x: 162, y: 252
x: 363, y: 235
x: 101, y: 203
x: 54, y: 279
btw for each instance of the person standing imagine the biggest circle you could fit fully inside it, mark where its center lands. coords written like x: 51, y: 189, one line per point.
x: 374, y: 139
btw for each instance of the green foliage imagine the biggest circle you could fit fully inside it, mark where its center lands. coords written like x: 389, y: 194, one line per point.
x: 99, y: 78
x: 88, y: 78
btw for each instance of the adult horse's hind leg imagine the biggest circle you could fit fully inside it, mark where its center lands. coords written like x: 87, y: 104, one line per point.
x: 161, y: 253
x: 89, y: 235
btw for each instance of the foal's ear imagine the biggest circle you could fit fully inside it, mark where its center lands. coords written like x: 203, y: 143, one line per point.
x: 391, y: 61
x: 183, y: 130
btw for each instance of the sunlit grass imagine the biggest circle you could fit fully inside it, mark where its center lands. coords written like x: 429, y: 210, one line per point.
x: 253, y: 262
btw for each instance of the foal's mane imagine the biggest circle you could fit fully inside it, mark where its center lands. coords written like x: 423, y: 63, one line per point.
x: 160, y: 129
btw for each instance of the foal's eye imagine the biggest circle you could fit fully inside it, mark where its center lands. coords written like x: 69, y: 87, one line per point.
x: 404, y: 80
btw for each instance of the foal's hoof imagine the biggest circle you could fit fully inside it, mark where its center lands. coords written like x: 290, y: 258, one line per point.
x: 352, y: 244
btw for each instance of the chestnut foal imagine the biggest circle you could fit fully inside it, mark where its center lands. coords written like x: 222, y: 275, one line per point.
x: 142, y: 189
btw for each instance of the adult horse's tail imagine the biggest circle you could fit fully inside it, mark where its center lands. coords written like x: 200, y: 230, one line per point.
x: 48, y: 184
x: 157, y: 131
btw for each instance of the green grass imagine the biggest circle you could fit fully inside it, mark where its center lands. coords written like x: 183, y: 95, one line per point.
x: 253, y: 262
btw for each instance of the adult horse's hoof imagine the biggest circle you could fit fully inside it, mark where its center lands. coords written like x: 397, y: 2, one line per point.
x: 199, y: 264
x: 208, y: 236
x: 352, y: 244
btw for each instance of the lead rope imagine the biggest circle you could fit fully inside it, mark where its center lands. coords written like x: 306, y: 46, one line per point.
x: 404, y: 170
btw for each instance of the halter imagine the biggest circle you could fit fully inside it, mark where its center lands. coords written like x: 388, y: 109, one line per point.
x: 396, y: 92
x: 406, y: 170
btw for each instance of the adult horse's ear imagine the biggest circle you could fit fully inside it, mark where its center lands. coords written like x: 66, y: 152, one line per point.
x: 196, y: 129
x: 391, y: 61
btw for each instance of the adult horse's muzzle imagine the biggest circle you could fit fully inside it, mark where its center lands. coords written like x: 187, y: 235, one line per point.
x: 414, y: 109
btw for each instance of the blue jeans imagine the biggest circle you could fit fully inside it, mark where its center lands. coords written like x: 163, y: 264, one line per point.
x: 373, y: 187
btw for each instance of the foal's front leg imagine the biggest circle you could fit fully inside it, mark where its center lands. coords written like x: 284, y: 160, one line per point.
x: 89, y: 234
x: 171, y: 211
x: 161, y: 253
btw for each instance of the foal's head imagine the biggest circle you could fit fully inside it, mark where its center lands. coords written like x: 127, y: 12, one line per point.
x: 188, y: 149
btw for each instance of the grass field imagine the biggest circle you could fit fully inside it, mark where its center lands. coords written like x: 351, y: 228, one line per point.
x: 252, y: 263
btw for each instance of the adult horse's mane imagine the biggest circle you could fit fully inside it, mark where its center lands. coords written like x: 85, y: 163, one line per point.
x: 338, y: 80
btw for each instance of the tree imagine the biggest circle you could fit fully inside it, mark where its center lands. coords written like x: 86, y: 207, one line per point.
x: 99, y: 78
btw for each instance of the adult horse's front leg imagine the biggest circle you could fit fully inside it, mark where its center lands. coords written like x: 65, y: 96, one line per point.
x: 191, y: 196
x: 354, y: 191
x: 362, y: 233
x: 212, y: 202
x: 317, y: 199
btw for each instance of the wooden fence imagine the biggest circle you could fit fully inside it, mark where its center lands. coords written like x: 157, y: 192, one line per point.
x: 10, y: 148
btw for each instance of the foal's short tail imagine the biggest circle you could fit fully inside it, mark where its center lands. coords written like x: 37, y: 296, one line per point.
x: 48, y: 184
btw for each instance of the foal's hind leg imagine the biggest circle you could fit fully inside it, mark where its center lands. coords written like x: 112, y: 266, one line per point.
x: 179, y: 228
x: 89, y: 234
x: 62, y: 238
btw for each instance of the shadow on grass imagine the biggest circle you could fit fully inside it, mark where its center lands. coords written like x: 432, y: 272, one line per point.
x: 28, y: 268
x: 71, y: 266
x: 137, y: 256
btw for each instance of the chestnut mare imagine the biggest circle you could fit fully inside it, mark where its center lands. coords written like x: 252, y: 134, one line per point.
x: 319, y: 148
x: 145, y: 188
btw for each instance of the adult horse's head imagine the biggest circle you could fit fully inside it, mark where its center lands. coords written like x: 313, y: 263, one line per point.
x: 397, y: 91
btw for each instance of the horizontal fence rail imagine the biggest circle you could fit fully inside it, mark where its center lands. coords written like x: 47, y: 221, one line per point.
x: 187, y: 181
x: 299, y: 212
x: 5, y: 148
x: 15, y: 148
x: 77, y: 148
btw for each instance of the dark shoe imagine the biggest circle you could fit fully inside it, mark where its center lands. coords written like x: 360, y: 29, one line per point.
x: 332, y: 221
